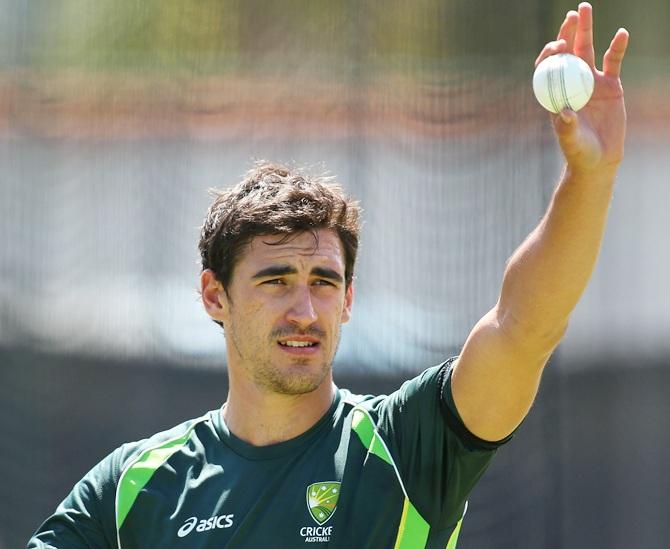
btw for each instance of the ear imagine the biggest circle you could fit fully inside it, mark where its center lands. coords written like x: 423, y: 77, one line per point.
x: 213, y: 295
x: 348, y: 302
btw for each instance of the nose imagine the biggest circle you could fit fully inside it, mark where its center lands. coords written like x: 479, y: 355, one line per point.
x: 302, y: 313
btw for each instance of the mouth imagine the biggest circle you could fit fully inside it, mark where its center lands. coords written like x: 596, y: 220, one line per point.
x: 299, y: 345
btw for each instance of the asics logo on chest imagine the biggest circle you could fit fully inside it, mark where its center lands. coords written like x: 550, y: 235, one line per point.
x: 203, y: 525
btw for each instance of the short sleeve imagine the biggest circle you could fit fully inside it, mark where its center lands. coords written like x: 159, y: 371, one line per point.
x: 440, y: 461
x: 85, y: 518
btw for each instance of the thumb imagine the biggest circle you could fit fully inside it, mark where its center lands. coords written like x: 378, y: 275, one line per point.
x: 579, y: 143
x: 565, y: 122
x: 566, y: 125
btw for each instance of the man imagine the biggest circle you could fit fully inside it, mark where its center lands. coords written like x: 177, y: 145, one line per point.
x: 290, y: 459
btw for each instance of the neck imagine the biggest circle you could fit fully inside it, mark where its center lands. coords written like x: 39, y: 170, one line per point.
x: 261, y: 418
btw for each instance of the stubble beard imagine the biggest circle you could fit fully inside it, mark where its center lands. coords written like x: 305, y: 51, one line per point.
x: 298, y: 378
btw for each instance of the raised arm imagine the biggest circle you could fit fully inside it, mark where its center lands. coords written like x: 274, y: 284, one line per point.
x: 497, y: 375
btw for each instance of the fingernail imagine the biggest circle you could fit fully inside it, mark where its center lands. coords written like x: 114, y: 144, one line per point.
x: 567, y: 116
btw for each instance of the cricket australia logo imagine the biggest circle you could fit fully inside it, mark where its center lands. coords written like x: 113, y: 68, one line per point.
x: 322, y: 500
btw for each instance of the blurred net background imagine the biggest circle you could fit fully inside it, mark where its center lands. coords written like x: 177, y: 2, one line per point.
x: 116, y: 118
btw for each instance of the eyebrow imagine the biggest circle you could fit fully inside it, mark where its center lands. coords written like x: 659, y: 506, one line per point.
x: 283, y: 270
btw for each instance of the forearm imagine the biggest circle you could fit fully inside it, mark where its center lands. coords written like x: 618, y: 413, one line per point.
x: 548, y: 273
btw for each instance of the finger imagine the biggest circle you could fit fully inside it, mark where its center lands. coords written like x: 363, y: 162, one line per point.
x: 584, y: 35
x: 569, y: 29
x: 614, y: 55
x: 568, y: 117
x: 552, y: 48
x: 566, y: 130
x: 570, y: 138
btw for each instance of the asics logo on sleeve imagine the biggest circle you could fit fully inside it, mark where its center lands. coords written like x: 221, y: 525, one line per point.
x: 203, y: 525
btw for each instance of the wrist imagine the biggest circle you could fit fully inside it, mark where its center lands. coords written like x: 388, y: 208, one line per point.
x: 600, y: 173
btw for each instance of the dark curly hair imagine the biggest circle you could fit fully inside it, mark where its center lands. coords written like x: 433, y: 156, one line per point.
x: 274, y: 199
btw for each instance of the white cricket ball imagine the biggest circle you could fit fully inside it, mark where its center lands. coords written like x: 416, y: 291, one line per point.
x: 563, y: 80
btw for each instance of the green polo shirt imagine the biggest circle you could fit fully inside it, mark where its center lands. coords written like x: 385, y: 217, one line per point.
x: 374, y: 472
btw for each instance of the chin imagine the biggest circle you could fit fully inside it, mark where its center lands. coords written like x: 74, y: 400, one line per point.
x: 292, y: 382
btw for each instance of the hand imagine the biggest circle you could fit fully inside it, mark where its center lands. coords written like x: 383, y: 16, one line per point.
x: 593, y: 140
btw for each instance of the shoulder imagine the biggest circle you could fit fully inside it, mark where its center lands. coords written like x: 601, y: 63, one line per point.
x: 88, y: 515
x: 112, y: 467
x: 422, y: 390
x: 174, y: 437
x: 430, y: 381
x: 351, y: 400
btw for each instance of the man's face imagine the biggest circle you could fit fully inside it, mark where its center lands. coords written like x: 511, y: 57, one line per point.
x: 283, y: 311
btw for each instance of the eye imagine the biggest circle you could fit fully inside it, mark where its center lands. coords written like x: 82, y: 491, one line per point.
x: 322, y: 282
x: 274, y: 282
